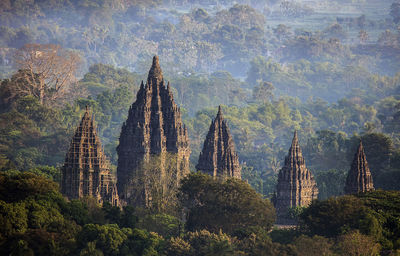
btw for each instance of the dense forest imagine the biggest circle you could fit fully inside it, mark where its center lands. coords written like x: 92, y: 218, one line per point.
x: 328, y: 69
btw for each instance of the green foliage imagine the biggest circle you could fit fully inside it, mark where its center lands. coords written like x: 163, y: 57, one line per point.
x: 50, y: 172
x: 201, y: 243
x: 198, y: 90
x: 36, y: 220
x: 374, y: 214
x: 128, y: 218
x: 295, y: 212
x: 32, y: 134
x: 227, y: 205
x: 378, y: 148
x: 336, y: 216
x: 316, y: 245
x: 284, y: 236
x: 344, y: 92
x: 162, y: 224
x: 330, y: 183
x: 103, y: 77
x: 13, y: 218
x: 23, y: 185
x: 108, y: 238
x: 31, y: 214
x: 263, y: 92
x: 141, y: 242
x: 355, y: 243
x: 328, y: 149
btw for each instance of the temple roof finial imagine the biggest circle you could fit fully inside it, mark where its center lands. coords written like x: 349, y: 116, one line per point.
x: 155, y: 70
x: 219, y: 114
x: 295, y: 140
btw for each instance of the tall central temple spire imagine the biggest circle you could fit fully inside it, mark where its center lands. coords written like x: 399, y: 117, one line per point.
x: 296, y: 185
x: 153, y: 128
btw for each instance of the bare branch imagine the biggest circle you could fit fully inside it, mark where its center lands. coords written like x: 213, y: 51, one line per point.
x: 51, y: 68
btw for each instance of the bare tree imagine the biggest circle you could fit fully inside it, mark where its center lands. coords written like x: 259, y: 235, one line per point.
x: 48, y: 70
x: 275, y: 165
x: 156, y: 183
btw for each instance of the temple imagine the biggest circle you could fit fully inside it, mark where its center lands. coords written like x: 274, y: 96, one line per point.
x: 86, y: 169
x: 359, y: 178
x: 296, y: 185
x: 152, y: 134
x: 218, y: 157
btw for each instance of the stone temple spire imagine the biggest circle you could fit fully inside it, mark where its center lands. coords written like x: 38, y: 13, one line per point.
x: 218, y: 157
x: 296, y: 185
x: 153, y: 128
x: 155, y: 73
x: 86, y: 169
x: 359, y: 178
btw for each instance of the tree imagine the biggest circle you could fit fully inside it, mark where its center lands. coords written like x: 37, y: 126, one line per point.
x: 107, y: 238
x: 378, y: 149
x: 48, y: 70
x: 156, y: 181
x: 395, y: 11
x: 163, y: 224
x: 24, y: 185
x: 335, y: 31
x: 201, y: 242
x: 357, y: 244
x: 336, y: 216
x: 294, y: 9
x: 282, y: 32
x: 229, y: 205
x: 330, y: 183
x: 387, y: 38
x: 263, y: 92
x: 316, y: 245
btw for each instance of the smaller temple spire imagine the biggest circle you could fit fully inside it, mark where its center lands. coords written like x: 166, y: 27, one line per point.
x: 296, y: 185
x: 219, y: 157
x: 86, y: 171
x: 359, y: 178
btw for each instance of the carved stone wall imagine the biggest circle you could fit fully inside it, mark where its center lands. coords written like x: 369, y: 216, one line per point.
x: 86, y: 169
x: 153, y: 127
x: 296, y: 185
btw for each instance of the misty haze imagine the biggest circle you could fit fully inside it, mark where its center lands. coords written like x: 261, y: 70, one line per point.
x: 200, y: 127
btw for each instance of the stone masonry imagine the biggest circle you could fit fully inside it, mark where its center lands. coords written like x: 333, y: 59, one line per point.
x: 218, y: 157
x: 359, y: 178
x: 296, y: 185
x: 153, y: 128
x: 86, y: 169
